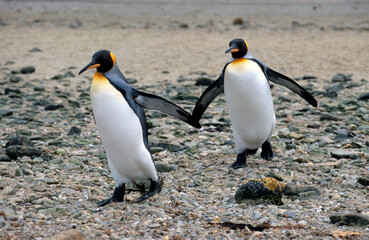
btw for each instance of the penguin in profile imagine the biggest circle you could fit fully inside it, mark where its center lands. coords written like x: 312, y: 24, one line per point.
x: 121, y: 123
x: 244, y: 81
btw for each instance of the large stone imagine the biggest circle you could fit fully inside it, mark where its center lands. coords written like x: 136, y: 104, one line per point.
x: 203, y: 81
x: 20, y: 151
x: 260, y: 191
x: 344, y: 153
x: 74, y: 131
x: 5, y: 113
x: 8, y: 213
x: 301, y: 192
x: 28, y: 70
x: 350, y: 219
x: 70, y: 234
x: 19, y: 140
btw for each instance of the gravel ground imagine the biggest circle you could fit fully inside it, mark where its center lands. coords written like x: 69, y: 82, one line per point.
x: 48, y: 116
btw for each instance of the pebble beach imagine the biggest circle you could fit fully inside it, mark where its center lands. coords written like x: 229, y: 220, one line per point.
x: 53, y: 167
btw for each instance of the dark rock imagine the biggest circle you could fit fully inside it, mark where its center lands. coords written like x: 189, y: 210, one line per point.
x: 5, y: 158
x: 335, y: 88
x: 2, y: 23
x: 74, y: 131
x: 5, y: 113
x: 11, y: 90
x: 28, y: 70
x: 309, y: 77
x: 74, y: 103
x: 53, y: 107
x: 164, y: 168
x: 18, y: 141
x: 330, y: 94
x: 57, y: 77
x: 185, y: 97
x: 171, y: 147
x: 353, y: 85
x: 131, y: 80
x: 340, y: 77
x: 364, y: 97
x: 183, y: 25
x: 15, y: 79
x: 80, y: 115
x: 69, y: 74
x: 302, y: 192
x: 41, y: 102
x: 35, y: 49
x: 76, y: 23
x: 363, y: 181
x: 238, y: 21
x: 350, y: 219
x: 156, y: 149
x: 344, y: 153
x: 203, y: 81
x: 39, y: 88
x: 328, y: 117
x: 260, y: 191
x: 20, y: 150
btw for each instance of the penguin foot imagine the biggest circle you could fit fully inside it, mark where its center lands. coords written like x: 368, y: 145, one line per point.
x: 155, y: 187
x: 118, y: 196
x: 240, y: 161
x: 267, y: 151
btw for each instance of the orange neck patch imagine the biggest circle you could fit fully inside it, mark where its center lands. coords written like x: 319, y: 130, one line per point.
x: 99, y: 78
x: 239, y: 60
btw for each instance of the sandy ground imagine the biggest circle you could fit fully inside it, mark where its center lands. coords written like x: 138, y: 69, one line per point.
x: 147, y: 37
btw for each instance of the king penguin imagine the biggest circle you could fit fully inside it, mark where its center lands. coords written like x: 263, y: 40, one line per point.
x: 244, y: 81
x: 121, y: 123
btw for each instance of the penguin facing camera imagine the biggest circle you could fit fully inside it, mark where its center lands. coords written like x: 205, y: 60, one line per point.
x: 244, y: 81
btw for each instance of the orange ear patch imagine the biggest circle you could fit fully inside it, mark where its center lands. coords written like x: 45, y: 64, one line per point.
x: 113, y: 58
x: 247, y: 45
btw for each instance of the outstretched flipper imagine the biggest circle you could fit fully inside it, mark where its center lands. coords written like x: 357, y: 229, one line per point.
x: 215, y: 89
x: 153, y: 102
x: 283, y: 80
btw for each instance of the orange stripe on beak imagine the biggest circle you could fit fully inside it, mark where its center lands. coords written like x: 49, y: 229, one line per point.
x: 93, y: 66
x: 235, y: 50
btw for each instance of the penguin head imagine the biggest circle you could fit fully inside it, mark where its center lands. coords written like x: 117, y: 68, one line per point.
x: 238, y: 48
x: 102, y: 60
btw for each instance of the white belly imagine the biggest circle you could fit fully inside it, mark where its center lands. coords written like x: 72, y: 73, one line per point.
x: 121, y: 134
x: 249, y: 103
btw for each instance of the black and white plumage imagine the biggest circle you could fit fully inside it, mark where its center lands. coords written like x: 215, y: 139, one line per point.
x: 244, y: 81
x: 121, y: 122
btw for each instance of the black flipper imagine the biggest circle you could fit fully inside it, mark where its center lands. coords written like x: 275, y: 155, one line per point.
x: 283, y: 80
x: 153, y: 102
x: 214, y: 90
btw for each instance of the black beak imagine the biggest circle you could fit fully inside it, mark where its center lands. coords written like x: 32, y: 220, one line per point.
x: 91, y: 65
x: 232, y: 49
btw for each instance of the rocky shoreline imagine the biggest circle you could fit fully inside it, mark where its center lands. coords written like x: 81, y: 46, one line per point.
x: 53, y: 167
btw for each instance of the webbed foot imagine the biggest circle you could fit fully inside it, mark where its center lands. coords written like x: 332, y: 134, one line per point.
x: 155, y: 187
x: 240, y: 161
x: 267, y: 151
x: 118, y: 196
